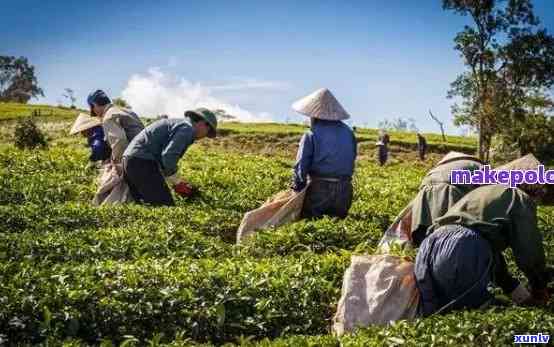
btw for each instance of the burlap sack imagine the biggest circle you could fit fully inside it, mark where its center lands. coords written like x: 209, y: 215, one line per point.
x: 376, y: 290
x: 112, y: 188
x: 284, y: 207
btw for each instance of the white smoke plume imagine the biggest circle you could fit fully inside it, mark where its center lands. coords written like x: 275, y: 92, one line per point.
x: 156, y: 93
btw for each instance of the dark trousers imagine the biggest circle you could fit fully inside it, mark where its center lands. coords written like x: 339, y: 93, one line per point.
x: 383, y: 154
x: 146, y: 182
x: 327, y: 198
x: 453, y: 263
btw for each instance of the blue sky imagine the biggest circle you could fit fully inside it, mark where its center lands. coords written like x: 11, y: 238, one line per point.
x: 382, y: 59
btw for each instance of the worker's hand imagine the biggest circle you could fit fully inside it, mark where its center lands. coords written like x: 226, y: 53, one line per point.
x: 184, y: 189
x: 539, y: 297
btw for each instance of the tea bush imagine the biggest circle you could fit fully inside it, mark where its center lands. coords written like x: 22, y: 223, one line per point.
x: 75, y: 275
x: 28, y: 135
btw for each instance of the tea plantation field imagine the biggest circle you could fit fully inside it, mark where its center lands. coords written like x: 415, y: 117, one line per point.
x: 75, y: 275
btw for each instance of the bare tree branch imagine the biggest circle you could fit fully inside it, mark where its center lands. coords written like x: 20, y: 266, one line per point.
x: 441, y: 125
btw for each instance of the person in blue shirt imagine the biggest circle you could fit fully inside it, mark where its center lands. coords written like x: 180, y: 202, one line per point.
x: 325, y: 158
x: 151, y: 158
x: 99, y: 148
x: 91, y: 128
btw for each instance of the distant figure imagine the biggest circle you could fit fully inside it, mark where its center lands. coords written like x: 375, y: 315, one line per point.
x: 421, y: 146
x: 326, y: 157
x: 383, y: 147
x: 384, y: 136
x: 382, y: 152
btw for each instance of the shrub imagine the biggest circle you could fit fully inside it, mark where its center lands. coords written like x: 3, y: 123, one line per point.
x: 28, y: 135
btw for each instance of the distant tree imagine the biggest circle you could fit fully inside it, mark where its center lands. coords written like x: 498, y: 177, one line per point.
x: 121, y: 103
x: 18, y: 82
x: 70, y: 94
x: 440, y: 123
x: 398, y: 124
x: 506, y: 56
x: 222, y: 114
x: 531, y: 130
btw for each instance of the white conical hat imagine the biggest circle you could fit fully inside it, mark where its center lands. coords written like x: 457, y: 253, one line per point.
x: 84, y: 122
x: 453, y: 155
x: 321, y: 104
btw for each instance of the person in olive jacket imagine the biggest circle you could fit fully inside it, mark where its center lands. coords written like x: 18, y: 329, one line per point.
x: 462, y: 253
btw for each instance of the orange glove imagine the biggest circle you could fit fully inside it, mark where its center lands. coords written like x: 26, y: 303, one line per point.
x: 184, y: 189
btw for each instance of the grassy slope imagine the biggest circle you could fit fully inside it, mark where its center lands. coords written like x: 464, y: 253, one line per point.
x: 257, y: 131
x: 69, y: 271
x: 406, y: 140
x: 12, y: 111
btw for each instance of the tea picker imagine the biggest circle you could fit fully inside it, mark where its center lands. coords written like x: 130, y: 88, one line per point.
x: 120, y: 125
x: 91, y: 129
x: 464, y: 248
x: 150, y: 161
x: 436, y: 194
x: 326, y: 157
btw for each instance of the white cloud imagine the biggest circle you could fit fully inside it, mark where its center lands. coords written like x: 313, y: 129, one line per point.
x: 157, y: 93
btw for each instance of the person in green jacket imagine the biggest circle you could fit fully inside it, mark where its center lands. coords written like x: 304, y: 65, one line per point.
x: 463, y: 250
x: 436, y: 194
x: 151, y: 158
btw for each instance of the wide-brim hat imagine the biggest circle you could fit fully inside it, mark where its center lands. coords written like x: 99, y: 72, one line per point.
x: 530, y: 162
x: 527, y: 162
x: 321, y: 104
x: 84, y: 122
x: 205, y: 115
x: 453, y: 156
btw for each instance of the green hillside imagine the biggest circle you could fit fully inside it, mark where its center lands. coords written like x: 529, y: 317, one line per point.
x: 12, y: 111
x: 77, y: 275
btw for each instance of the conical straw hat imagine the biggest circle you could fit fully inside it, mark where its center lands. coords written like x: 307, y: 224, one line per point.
x: 527, y: 162
x: 452, y: 156
x: 84, y: 122
x: 321, y: 104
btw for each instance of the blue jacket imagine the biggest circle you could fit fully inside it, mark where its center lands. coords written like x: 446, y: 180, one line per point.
x: 328, y: 150
x: 99, y: 148
x: 164, y: 141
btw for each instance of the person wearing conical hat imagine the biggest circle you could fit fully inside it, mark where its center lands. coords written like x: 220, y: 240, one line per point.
x: 463, y: 251
x: 384, y: 137
x: 382, y: 152
x: 325, y: 158
x: 436, y: 194
x: 150, y: 161
x: 91, y: 128
x: 120, y: 125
